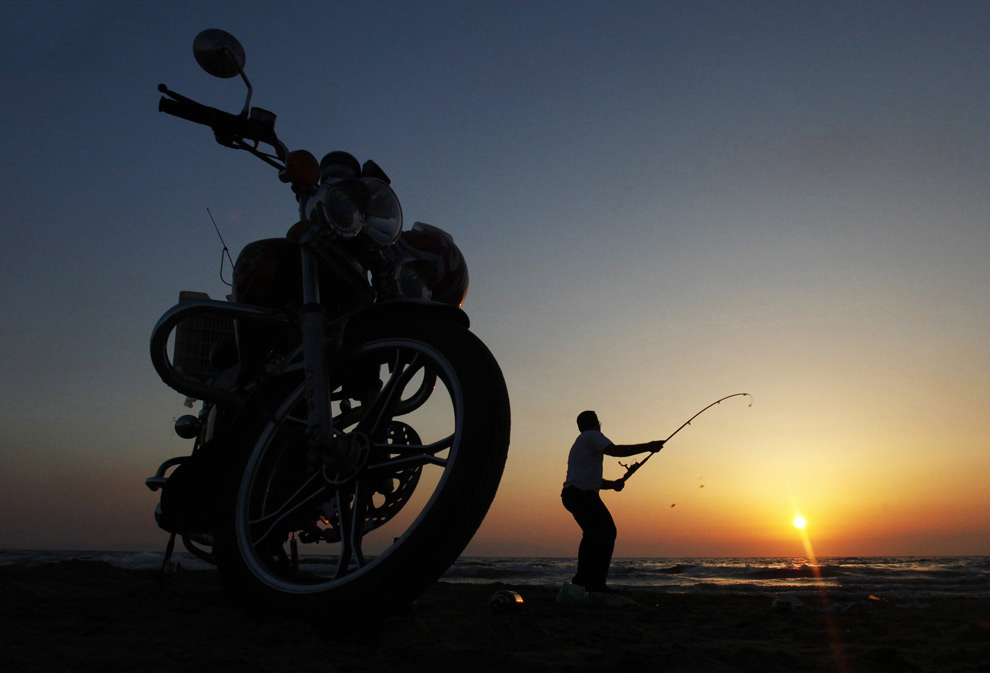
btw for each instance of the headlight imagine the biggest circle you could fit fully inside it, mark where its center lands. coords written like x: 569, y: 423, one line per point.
x: 349, y: 207
x: 383, y: 214
x: 337, y: 206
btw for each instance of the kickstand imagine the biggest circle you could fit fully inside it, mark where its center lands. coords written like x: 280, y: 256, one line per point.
x: 169, y: 566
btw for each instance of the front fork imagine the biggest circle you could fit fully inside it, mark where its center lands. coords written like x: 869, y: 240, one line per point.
x: 313, y: 326
x: 338, y: 455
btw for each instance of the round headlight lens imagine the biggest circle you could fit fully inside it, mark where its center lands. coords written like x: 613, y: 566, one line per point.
x: 337, y: 206
x: 383, y: 214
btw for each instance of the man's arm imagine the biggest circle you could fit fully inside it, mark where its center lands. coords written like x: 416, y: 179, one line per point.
x: 609, y: 485
x: 626, y: 450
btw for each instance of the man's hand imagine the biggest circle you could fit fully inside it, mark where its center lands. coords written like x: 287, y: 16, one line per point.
x: 609, y: 485
x: 656, y: 446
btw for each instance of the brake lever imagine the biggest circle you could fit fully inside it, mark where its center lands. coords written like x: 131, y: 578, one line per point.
x: 162, y: 88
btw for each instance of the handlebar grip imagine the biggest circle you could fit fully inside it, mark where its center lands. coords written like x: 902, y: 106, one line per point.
x: 194, y: 112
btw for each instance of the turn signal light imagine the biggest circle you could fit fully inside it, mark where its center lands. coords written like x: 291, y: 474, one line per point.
x: 301, y: 169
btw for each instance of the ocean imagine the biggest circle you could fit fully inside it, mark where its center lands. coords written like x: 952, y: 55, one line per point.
x: 838, y: 578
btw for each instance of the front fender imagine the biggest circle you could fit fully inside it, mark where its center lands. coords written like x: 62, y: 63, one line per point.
x: 401, y: 309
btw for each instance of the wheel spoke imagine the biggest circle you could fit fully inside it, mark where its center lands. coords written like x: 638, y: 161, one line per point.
x: 351, y: 508
x: 411, y: 455
x: 406, y: 463
x: 381, y: 411
x: 263, y: 526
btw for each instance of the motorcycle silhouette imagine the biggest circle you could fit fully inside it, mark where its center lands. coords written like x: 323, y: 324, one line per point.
x: 353, y: 431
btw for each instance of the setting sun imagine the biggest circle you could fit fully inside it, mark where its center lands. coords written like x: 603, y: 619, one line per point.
x: 799, y: 522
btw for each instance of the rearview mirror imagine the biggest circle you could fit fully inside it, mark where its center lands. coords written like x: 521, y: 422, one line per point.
x: 219, y: 53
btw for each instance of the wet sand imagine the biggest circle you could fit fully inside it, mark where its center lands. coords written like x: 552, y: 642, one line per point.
x: 89, y: 616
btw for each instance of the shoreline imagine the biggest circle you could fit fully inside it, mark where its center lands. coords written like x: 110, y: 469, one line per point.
x: 89, y: 615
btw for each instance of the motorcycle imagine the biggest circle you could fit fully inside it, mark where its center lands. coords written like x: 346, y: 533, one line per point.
x: 353, y: 431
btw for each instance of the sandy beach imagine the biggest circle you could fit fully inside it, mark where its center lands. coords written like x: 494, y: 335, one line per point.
x: 90, y: 616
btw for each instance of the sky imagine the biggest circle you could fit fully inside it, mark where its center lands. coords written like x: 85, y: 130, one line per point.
x: 661, y: 203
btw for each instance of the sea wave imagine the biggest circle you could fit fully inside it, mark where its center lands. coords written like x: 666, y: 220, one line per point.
x: 892, y: 577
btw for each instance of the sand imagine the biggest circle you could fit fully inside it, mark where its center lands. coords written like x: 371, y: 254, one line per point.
x: 89, y: 616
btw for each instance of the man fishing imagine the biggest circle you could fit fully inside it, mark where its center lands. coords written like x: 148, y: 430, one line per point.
x: 581, y: 499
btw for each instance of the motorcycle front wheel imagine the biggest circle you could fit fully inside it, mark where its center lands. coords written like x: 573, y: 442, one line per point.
x: 421, y: 416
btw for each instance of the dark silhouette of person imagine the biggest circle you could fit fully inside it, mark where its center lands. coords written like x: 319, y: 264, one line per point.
x: 580, y: 497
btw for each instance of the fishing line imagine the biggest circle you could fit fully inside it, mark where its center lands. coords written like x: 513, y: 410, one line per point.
x: 631, y: 469
x: 223, y: 253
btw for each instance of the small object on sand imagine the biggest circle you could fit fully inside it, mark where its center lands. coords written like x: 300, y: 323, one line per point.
x: 572, y: 594
x: 505, y: 602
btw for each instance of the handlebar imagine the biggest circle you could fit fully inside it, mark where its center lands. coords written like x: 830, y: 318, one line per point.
x: 230, y: 130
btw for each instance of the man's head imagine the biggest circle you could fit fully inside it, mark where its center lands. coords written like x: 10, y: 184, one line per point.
x: 588, y: 420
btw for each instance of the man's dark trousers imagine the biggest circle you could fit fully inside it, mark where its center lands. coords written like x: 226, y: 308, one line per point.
x: 598, y: 539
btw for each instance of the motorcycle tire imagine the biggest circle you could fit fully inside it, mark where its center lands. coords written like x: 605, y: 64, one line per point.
x: 423, y: 412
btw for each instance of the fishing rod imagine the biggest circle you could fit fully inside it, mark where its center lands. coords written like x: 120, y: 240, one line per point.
x: 631, y: 469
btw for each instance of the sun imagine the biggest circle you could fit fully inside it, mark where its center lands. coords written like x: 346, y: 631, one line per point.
x: 799, y: 522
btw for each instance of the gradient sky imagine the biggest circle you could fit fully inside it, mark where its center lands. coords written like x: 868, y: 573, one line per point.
x: 661, y: 203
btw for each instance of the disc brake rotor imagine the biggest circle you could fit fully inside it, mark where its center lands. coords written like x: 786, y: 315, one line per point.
x: 391, y: 490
